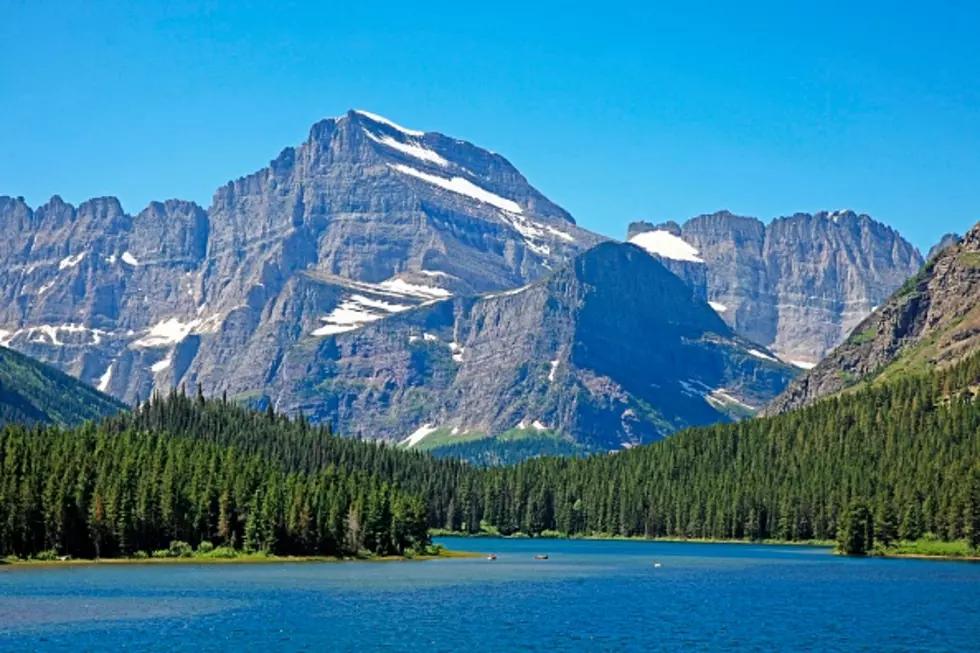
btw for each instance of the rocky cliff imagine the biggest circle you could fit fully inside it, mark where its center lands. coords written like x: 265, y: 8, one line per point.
x: 798, y: 285
x: 177, y: 293
x: 391, y: 280
x: 933, y: 320
x: 611, y: 348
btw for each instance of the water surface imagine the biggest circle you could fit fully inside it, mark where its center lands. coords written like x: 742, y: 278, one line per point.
x: 587, y: 596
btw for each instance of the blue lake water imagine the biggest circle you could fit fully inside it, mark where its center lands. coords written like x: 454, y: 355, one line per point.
x: 589, y: 596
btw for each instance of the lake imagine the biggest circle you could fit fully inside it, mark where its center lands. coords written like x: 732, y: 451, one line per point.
x: 588, y: 596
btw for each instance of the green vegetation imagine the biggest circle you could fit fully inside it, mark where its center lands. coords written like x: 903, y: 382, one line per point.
x: 862, y: 337
x: 906, y: 449
x: 34, y: 393
x: 510, y: 448
x: 119, y: 488
x: 444, y: 437
x: 930, y: 547
x: 872, y: 469
x: 912, y: 284
x: 970, y: 259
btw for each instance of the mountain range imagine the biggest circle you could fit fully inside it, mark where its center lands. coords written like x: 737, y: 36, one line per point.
x: 798, y: 285
x: 413, y: 287
x: 932, y: 321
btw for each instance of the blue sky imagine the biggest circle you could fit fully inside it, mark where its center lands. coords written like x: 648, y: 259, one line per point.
x: 618, y: 111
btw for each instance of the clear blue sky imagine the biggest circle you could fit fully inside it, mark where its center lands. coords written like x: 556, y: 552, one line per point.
x: 617, y: 113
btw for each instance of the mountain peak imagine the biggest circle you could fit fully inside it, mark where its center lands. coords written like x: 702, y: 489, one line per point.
x: 381, y: 120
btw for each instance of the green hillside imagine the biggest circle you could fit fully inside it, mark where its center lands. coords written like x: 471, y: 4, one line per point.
x: 34, y: 393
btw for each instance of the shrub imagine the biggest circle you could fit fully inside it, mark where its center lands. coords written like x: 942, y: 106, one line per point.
x: 140, y: 555
x: 205, y: 548
x: 180, y: 549
x: 221, y: 552
x: 46, y: 556
x: 161, y: 553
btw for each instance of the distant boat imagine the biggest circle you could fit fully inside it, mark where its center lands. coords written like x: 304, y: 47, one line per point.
x: 492, y: 556
x: 656, y: 565
x: 540, y: 557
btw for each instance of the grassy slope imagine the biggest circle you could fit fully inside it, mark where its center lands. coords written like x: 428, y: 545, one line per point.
x: 32, y: 392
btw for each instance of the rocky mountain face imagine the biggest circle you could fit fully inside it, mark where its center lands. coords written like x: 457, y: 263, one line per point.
x: 611, y: 347
x: 178, y: 294
x: 798, y: 285
x: 398, y: 283
x: 944, y: 242
x: 932, y: 321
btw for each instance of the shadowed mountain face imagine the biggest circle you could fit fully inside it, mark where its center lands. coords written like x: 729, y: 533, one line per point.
x: 611, y: 348
x: 932, y: 321
x: 798, y: 285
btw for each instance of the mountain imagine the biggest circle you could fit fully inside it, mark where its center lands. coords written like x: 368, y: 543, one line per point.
x: 611, y: 349
x: 932, y: 321
x: 177, y: 294
x: 34, y: 393
x: 944, y: 242
x: 405, y: 284
x: 798, y: 285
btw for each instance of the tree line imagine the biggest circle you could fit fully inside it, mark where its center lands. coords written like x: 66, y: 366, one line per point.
x: 895, y: 460
x: 97, y: 492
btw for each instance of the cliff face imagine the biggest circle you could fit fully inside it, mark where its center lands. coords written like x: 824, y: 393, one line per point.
x: 611, y: 350
x: 390, y: 280
x: 800, y: 284
x: 933, y: 320
x: 177, y: 294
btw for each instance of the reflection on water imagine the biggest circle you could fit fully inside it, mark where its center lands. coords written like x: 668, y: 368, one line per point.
x: 587, y: 596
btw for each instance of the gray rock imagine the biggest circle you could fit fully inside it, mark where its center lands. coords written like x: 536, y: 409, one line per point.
x: 800, y: 285
x: 946, y: 241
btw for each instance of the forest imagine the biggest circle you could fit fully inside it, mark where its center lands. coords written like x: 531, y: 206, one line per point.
x: 112, y: 491
x: 881, y: 463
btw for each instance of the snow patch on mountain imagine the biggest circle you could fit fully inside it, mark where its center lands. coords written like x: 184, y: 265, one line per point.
x: 71, y: 261
x: 129, y: 259
x: 161, y: 365
x: 460, y: 186
x: 665, y: 244
x: 418, y: 435
x: 803, y: 365
x: 354, y: 312
x: 105, y: 378
x: 402, y: 287
x: 166, y: 333
x: 720, y: 308
x: 381, y: 120
x: 411, y: 149
x: 52, y: 332
x: 764, y: 356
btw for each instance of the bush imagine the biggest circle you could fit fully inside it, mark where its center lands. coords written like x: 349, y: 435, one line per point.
x: 140, y: 555
x: 221, y: 552
x: 46, y: 556
x: 205, y: 548
x: 161, y: 553
x: 180, y: 549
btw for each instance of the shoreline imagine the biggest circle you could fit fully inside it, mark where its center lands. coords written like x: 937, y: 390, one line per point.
x: 829, y: 544
x: 926, y: 556
x: 239, y: 560
x: 624, y: 538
